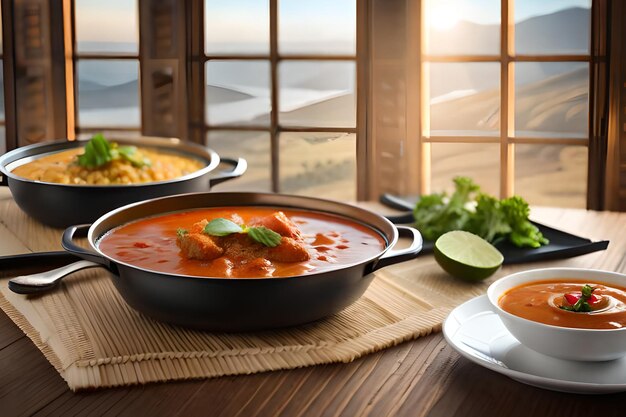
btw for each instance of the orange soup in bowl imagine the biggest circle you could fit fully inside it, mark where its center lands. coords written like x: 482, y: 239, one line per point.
x: 568, y: 303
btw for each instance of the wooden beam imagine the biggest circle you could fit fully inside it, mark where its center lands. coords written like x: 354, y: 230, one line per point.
x: 40, y: 81
x: 417, y: 159
x: 163, y: 64
x: 195, y: 71
x: 274, y: 90
x: 8, y: 67
x: 69, y: 42
x: 364, y: 138
x: 598, y: 104
x: 507, y: 99
x: 616, y: 129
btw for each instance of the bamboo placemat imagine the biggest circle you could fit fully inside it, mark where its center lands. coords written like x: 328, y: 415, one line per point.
x: 94, y: 339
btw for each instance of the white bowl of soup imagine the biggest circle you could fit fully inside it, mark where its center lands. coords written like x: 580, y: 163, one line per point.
x: 568, y: 313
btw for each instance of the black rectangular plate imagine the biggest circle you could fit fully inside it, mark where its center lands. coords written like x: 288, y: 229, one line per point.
x: 562, y: 244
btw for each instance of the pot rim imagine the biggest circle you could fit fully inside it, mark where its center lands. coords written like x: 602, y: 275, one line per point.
x: 390, y: 241
x: 13, y: 158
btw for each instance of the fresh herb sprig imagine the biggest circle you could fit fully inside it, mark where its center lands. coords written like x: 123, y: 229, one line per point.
x: 469, y: 209
x: 99, y: 152
x: 260, y: 234
x: 582, y: 305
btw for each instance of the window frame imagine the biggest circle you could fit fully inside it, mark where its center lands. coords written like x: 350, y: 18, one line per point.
x: 418, y: 139
x: 507, y: 138
x: 274, y: 129
x: 73, y: 57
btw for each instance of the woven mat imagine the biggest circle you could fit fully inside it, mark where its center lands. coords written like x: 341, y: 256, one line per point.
x: 94, y: 339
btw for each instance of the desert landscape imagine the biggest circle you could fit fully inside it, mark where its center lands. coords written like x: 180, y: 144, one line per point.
x: 552, y: 101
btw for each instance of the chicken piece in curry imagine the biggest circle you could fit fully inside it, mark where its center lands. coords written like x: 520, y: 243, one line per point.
x: 240, y: 250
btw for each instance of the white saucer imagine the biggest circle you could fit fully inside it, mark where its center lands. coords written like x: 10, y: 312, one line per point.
x: 477, y: 333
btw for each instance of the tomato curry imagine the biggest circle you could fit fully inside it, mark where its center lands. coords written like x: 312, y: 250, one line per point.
x: 242, y: 242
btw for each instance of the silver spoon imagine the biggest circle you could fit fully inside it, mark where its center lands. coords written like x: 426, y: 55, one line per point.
x: 44, y: 281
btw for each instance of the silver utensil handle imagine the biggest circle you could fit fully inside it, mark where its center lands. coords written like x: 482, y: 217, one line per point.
x: 43, y: 281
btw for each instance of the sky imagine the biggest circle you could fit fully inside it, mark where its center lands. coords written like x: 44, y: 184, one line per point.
x: 107, y: 21
x: 299, y: 20
x: 116, y: 20
x: 444, y: 13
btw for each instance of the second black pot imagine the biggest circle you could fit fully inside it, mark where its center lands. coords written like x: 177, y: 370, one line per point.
x: 62, y: 205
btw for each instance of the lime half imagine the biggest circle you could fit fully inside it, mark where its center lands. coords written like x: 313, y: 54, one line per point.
x: 467, y: 256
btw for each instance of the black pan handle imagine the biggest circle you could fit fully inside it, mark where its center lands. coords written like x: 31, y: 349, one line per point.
x: 37, y: 260
x: 395, y: 256
x: 240, y: 166
x: 67, y: 241
x: 396, y: 202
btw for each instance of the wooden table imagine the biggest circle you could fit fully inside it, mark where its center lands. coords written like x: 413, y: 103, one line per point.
x: 424, y: 377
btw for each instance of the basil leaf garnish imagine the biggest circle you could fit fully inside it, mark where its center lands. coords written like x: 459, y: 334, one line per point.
x: 264, y: 236
x: 260, y: 234
x: 130, y: 154
x: 99, y: 151
x: 221, y: 227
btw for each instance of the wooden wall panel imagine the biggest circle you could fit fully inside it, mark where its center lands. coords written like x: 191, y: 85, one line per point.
x: 394, y: 97
x: 598, y: 104
x: 615, y: 191
x: 163, y: 68
x: 39, y: 67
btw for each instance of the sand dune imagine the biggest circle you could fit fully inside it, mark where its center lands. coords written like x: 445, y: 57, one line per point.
x: 555, y: 106
x: 544, y: 174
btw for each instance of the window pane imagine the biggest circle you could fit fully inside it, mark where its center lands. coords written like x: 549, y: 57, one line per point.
x: 237, y: 26
x: 108, y: 93
x: 552, y: 99
x: 551, y: 175
x: 460, y: 27
x: 552, y: 27
x: 320, y: 94
x: 464, y: 99
x: 255, y: 148
x: 479, y: 161
x: 318, y: 164
x: 238, y: 92
x: 317, y: 26
x: 106, y: 26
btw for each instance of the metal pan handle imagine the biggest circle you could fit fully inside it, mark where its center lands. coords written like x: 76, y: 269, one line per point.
x: 240, y: 166
x: 67, y: 241
x: 395, y: 256
x: 45, y: 281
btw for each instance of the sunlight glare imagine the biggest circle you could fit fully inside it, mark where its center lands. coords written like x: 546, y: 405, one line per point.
x: 442, y: 16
